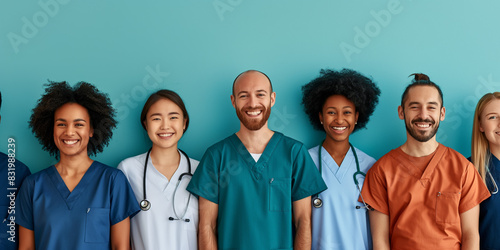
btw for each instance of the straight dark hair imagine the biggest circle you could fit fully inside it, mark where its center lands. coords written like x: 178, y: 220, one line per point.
x: 164, y: 94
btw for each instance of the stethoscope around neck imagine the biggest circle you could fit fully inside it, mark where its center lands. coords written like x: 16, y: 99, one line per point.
x: 146, y: 205
x: 317, y: 202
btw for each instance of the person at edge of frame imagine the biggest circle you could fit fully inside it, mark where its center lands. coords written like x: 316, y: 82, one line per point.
x: 12, y: 174
x: 424, y: 194
x: 251, y: 184
x: 485, y: 155
x: 77, y: 203
x: 340, y: 103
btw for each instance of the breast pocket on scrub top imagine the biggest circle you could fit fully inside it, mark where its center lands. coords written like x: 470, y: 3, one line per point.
x: 280, y: 197
x: 447, y: 208
x: 97, y: 225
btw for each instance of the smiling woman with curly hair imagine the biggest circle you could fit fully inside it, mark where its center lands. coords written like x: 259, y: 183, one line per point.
x: 78, y: 203
x: 340, y: 103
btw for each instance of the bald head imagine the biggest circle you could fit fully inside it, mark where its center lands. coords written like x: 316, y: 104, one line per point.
x: 251, y: 75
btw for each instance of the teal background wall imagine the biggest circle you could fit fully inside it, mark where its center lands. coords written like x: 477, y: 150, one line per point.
x: 130, y: 49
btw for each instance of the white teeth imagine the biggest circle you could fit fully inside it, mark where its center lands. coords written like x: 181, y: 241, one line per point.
x: 70, y: 142
x: 423, y: 125
x: 254, y: 113
x: 339, y: 128
x: 165, y: 135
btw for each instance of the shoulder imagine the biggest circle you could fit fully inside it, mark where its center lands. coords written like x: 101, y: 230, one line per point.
x: 386, y: 162
x: 107, y: 171
x: 314, y: 151
x: 220, y: 145
x: 364, y: 156
x: 132, y: 162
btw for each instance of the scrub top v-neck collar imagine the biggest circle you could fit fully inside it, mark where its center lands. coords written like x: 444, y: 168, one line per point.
x: 165, y: 186
x: 258, y: 167
x: 70, y: 198
x: 338, y: 171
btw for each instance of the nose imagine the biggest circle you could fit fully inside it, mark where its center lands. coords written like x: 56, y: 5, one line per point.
x: 69, y: 130
x: 252, y: 101
x: 339, y: 118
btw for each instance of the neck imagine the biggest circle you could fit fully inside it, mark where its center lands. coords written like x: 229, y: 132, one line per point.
x: 337, y: 150
x: 415, y: 148
x: 73, y: 165
x: 255, y: 140
x: 165, y: 157
x: 495, y: 150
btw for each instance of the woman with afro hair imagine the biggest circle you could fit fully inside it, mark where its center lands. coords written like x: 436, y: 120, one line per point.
x: 78, y: 203
x: 340, y: 103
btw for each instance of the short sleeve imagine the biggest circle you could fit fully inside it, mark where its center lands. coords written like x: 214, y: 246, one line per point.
x: 374, y: 191
x: 474, y: 191
x: 123, y: 202
x: 307, y: 180
x: 24, y: 202
x: 205, y: 179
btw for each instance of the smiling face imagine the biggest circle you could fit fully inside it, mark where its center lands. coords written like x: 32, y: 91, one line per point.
x: 165, y: 123
x: 422, y: 113
x: 253, y: 100
x: 339, y: 117
x: 72, y: 130
x: 490, y: 124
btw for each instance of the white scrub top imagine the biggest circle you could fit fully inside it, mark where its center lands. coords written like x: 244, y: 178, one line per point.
x: 152, y: 229
x: 338, y: 224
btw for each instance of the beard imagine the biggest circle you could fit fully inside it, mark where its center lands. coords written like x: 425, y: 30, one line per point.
x: 422, y: 136
x: 253, y: 123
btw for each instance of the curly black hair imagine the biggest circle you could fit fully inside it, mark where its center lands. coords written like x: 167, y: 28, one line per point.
x: 57, y: 94
x: 359, y: 89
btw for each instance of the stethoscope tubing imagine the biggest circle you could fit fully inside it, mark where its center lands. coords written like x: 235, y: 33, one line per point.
x: 146, y: 205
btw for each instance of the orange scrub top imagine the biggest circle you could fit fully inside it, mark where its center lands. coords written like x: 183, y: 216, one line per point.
x: 424, y: 204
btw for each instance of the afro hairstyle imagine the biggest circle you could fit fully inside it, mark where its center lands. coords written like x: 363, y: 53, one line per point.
x: 359, y: 89
x: 57, y: 94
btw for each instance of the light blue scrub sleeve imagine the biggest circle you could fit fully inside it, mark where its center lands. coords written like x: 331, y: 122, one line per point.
x: 307, y: 180
x: 205, y: 181
x: 24, y: 204
x: 123, y: 202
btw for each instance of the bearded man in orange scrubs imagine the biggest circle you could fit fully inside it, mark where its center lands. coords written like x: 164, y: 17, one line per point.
x: 424, y: 194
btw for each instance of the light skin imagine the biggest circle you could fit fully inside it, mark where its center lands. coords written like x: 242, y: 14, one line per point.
x: 252, y: 96
x: 422, y: 113
x: 72, y: 131
x: 490, y: 126
x: 339, y: 118
x: 165, y: 125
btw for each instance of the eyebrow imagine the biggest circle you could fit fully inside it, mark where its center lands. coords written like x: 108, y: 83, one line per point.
x: 75, y: 120
x: 258, y: 91
x: 433, y: 103
x: 159, y: 114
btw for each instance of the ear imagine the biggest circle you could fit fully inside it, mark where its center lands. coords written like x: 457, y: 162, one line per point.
x: 357, y: 116
x: 320, y: 117
x: 184, y: 126
x: 233, y: 100
x: 273, y: 98
x: 401, y: 113
x: 91, y: 132
x: 443, y: 112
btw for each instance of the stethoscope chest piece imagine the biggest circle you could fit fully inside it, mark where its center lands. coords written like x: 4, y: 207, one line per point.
x: 317, y: 202
x: 145, y: 205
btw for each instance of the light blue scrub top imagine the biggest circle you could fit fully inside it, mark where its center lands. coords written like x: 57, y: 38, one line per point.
x: 338, y: 224
x: 255, y: 198
x: 80, y: 219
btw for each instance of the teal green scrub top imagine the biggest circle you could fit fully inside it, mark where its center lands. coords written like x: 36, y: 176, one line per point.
x: 255, y: 198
